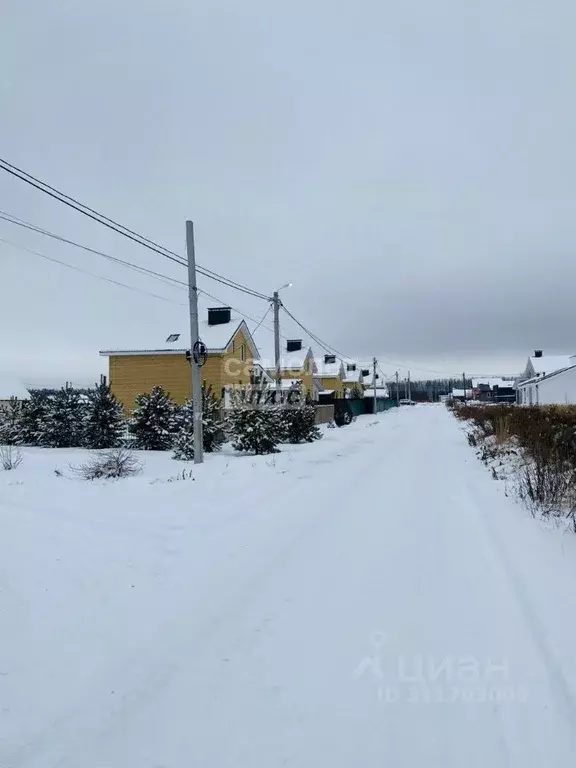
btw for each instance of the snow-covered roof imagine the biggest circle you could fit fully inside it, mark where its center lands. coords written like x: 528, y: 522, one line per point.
x: 329, y: 369
x: 538, y: 379
x: 290, y: 383
x: 261, y: 371
x: 217, y: 338
x: 550, y: 363
x: 353, y: 377
x: 327, y: 391
x: 491, y: 382
x: 11, y: 386
x: 369, y: 380
x: 289, y: 361
x: 381, y: 391
x: 460, y: 393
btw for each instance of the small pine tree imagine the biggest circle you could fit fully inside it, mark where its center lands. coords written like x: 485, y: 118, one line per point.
x: 65, y: 419
x: 153, y: 421
x: 299, y: 424
x: 35, y: 414
x: 355, y: 392
x: 11, y: 422
x: 184, y: 438
x: 184, y: 445
x: 213, y: 435
x: 253, y: 427
x: 104, y: 421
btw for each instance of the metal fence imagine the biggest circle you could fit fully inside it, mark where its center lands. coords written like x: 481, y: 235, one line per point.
x: 324, y: 414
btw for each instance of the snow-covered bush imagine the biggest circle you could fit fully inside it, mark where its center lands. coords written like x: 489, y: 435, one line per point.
x: 184, y: 438
x: 11, y: 422
x: 10, y: 457
x: 64, y: 419
x: 299, y: 424
x: 213, y: 435
x: 34, y: 417
x: 104, y: 419
x: 254, y: 430
x: 153, y: 421
x: 111, y: 465
x: 253, y: 427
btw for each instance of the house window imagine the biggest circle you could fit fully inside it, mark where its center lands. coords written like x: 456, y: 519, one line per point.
x: 233, y: 347
x: 243, y: 352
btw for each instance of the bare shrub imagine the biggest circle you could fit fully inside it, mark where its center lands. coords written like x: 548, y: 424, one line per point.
x: 501, y: 428
x: 472, y: 439
x: 543, y: 486
x: 111, y: 465
x: 10, y: 457
x: 186, y: 474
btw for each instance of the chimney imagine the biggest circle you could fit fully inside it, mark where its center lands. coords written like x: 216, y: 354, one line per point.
x: 328, y: 359
x: 293, y: 345
x: 351, y: 367
x: 537, y: 353
x: 219, y: 315
x: 365, y: 372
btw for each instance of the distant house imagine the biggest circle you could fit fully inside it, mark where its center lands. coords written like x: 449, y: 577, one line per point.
x: 353, y: 379
x: 557, y: 388
x: 540, y: 364
x: 460, y: 394
x: 11, y: 386
x: 296, y: 362
x: 331, y: 375
x: 230, y: 360
x: 493, y: 390
x: 368, y: 383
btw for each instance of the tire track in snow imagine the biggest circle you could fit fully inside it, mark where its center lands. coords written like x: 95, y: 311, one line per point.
x: 565, y: 699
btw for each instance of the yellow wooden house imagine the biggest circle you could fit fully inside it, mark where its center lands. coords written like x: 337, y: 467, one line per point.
x: 230, y: 361
x: 353, y: 380
x: 296, y: 363
x: 331, y: 376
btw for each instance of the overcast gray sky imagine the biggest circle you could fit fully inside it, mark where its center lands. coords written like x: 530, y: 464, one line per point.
x: 409, y: 166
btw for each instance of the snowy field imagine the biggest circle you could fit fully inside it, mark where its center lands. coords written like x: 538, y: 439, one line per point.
x: 373, y: 599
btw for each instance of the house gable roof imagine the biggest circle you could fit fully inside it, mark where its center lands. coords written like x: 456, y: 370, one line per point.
x: 217, y: 339
x: 538, y: 379
x: 332, y: 370
x: 550, y: 363
x: 289, y: 361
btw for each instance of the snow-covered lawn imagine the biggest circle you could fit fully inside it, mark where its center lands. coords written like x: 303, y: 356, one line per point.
x: 370, y: 599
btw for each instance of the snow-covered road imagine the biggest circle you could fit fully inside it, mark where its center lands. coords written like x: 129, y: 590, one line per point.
x: 373, y: 599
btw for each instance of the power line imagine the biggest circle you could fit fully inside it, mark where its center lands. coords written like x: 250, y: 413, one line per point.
x: 33, y: 228
x: 121, y: 229
x: 324, y: 345
x: 87, y: 272
x: 264, y: 316
x: 114, y: 259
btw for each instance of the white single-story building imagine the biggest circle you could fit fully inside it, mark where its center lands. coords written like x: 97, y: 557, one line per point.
x: 460, y: 394
x: 558, y: 388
